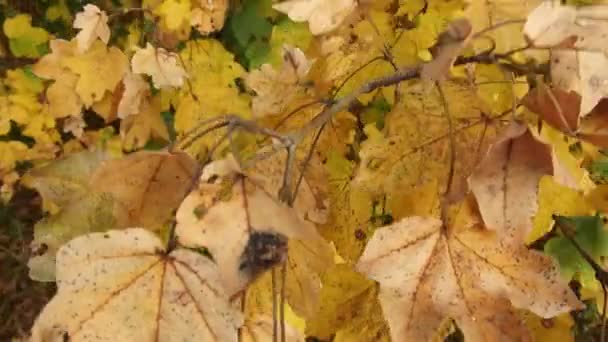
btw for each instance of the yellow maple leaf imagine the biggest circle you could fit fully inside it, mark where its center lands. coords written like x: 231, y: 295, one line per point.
x: 174, y: 13
x: 24, y: 40
x: 213, y: 73
x: 10, y: 153
x: 100, y: 69
x: 137, y: 129
x: 63, y: 100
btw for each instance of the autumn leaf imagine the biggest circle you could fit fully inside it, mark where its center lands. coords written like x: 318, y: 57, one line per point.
x: 148, y: 186
x: 100, y: 69
x: 210, y: 16
x: 213, y: 74
x: 275, y: 90
x: 64, y: 179
x: 136, y: 130
x: 93, y: 24
x: 348, y: 308
x: 264, y: 233
x: 174, y: 13
x: 124, y: 285
x: 87, y: 193
x: 450, y: 44
x: 25, y: 40
x: 590, y: 234
x: 505, y: 183
x: 163, y: 66
x: 135, y: 91
x: 322, y: 16
x: 557, y: 107
x: 260, y: 328
x: 63, y: 186
x: 427, y: 274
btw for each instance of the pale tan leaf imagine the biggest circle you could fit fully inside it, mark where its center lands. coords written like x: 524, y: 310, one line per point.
x: 148, y: 186
x: 123, y: 286
x: 323, y: 16
x: 93, y: 24
x: 210, y: 16
x: 162, y: 65
x: 583, y: 72
x: 428, y: 272
x: 260, y: 229
x: 505, y: 183
x: 136, y: 89
x: 275, y: 90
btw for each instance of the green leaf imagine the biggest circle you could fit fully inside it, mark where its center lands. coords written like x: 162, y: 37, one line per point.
x: 590, y: 236
x: 25, y: 40
x: 247, y: 32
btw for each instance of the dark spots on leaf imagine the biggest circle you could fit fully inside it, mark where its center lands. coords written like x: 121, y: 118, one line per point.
x: 263, y: 251
x: 360, y: 235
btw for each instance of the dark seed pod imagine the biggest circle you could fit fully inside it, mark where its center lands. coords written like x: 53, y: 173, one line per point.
x: 263, y: 251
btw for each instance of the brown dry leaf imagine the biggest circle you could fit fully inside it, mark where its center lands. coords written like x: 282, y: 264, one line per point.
x: 162, y: 65
x: 275, y: 90
x: 136, y: 130
x: 93, y: 23
x: 209, y: 16
x: 594, y: 127
x: 123, y: 286
x: 428, y: 273
x: 505, y: 183
x: 147, y: 186
x: 559, y: 108
x: 228, y: 203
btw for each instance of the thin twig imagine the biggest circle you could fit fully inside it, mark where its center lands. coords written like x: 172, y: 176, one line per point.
x: 448, y: 116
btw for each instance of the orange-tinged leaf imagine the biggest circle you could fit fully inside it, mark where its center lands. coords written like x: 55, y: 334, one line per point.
x: 148, y: 186
x: 559, y: 108
x: 428, y: 272
x: 124, y: 286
